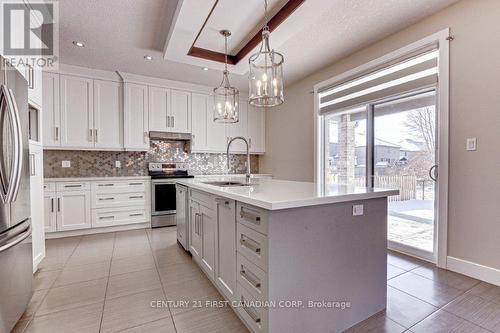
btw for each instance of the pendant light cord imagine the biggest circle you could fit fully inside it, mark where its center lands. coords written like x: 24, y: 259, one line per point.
x: 265, y: 15
x: 225, y: 52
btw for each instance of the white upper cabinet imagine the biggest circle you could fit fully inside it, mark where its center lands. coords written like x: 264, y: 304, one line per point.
x: 108, y: 114
x: 136, y: 129
x: 51, y: 116
x: 239, y: 128
x: 76, y: 112
x: 159, y: 104
x: 216, y: 133
x: 180, y: 112
x: 256, y: 129
x: 200, y: 104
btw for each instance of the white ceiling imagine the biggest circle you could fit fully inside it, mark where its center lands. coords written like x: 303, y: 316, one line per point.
x: 118, y: 33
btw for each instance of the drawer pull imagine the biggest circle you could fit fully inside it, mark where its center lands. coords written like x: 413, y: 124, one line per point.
x: 222, y: 201
x: 69, y: 186
x: 250, y: 312
x: 101, y: 185
x: 104, y: 199
x: 137, y: 214
x: 136, y: 197
x: 135, y: 184
x: 249, y: 217
x: 248, y: 244
x: 106, y: 218
x: 247, y: 277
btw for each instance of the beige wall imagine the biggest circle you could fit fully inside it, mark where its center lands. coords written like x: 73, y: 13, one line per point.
x: 474, y: 183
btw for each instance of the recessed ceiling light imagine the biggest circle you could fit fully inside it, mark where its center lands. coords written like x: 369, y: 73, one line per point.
x: 148, y: 57
x: 205, y: 68
x: 79, y: 44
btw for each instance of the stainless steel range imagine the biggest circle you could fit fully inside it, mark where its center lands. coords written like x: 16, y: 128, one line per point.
x: 163, y: 200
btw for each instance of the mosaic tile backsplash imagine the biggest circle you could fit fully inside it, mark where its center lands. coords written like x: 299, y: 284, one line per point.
x: 102, y: 163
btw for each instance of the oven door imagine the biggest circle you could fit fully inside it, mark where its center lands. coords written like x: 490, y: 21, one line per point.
x: 163, y: 198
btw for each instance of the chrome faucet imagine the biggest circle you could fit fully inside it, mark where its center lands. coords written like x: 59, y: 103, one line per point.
x: 248, y: 174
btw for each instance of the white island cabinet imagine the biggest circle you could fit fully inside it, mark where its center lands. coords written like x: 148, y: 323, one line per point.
x: 286, y: 245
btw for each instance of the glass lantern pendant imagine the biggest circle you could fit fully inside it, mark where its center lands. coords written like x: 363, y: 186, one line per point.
x: 266, y: 73
x: 226, y: 98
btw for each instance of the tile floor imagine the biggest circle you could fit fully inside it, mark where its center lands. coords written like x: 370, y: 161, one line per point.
x: 106, y: 283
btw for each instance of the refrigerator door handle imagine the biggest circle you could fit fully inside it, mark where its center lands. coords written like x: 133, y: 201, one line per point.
x: 8, y: 242
x: 17, y: 160
x: 4, y: 182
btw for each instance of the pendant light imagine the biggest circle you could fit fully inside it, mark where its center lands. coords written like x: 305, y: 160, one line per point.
x: 266, y: 73
x: 226, y: 98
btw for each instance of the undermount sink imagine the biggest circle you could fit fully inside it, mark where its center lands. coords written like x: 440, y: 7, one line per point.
x: 226, y: 183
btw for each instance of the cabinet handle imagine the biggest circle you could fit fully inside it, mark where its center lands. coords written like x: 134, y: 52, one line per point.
x: 32, y: 165
x: 249, y: 217
x: 106, y: 218
x: 168, y: 121
x: 56, y: 133
x: 173, y: 121
x: 247, y: 277
x: 250, y: 142
x: 105, y: 199
x: 135, y: 184
x: 137, y: 214
x: 222, y: 201
x: 51, y: 205
x: 252, y: 315
x: 136, y: 197
x: 95, y: 136
x: 247, y: 243
x: 59, y: 204
x: 106, y: 185
x: 90, y: 135
x: 70, y: 186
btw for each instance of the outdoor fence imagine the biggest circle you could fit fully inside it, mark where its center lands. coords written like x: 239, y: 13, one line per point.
x: 407, y: 185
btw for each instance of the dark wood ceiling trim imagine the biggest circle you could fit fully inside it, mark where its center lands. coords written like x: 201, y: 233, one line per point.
x: 273, y: 23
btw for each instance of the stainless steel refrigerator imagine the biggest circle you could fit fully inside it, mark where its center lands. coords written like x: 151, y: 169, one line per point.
x: 16, y: 258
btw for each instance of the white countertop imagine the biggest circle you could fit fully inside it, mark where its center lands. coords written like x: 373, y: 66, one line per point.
x: 89, y: 179
x: 281, y: 194
x: 254, y: 175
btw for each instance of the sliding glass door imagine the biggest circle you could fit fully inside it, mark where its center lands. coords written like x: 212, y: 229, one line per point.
x: 404, y: 157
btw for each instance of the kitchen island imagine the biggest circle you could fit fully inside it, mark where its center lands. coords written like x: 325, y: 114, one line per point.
x: 288, y: 256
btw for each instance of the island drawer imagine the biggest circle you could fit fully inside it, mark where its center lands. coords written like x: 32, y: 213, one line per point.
x: 254, y: 315
x: 202, y: 197
x: 252, y: 278
x: 252, y: 245
x: 252, y: 217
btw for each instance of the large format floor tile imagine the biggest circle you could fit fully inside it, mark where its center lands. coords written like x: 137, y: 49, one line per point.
x: 134, y: 282
x: 446, y: 277
x: 405, y: 309
x: 86, y: 319
x: 487, y: 291
x: 404, y: 262
x: 44, y: 280
x: 209, y: 320
x: 132, y: 264
x: 379, y: 323
x: 444, y: 322
x: 83, y: 273
x: 165, y: 325
x: 133, y: 310
x: 425, y: 289
x: 476, y: 310
x: 393, y: 271
x: 72, y: 296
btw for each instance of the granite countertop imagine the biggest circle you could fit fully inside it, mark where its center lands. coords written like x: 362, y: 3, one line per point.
x: 88, y: 179
x: 281, y: 194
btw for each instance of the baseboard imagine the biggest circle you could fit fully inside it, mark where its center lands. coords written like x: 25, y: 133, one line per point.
x: 60, y: 234
x: 477, y: 271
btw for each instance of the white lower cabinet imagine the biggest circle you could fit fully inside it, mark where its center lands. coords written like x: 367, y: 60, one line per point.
x: 77, y: 205
x: 225, y: 248
x: 37, y: 203
x: 73, y: 210
x: 208, y: 230
x: 195, y: 230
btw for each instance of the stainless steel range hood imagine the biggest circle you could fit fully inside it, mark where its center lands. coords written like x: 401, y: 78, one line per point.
x: 170, y: 136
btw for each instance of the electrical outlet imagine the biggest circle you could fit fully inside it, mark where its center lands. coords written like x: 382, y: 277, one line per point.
x: 118, y: 164
x: 66, y: 164
x: 357, y: 210
x: 471, y: 144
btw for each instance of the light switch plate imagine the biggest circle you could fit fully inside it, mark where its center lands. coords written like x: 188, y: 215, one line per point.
x: 357, y: 210
x: 66, y: 164
x: 118, y: 164
x: 471, y: 144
